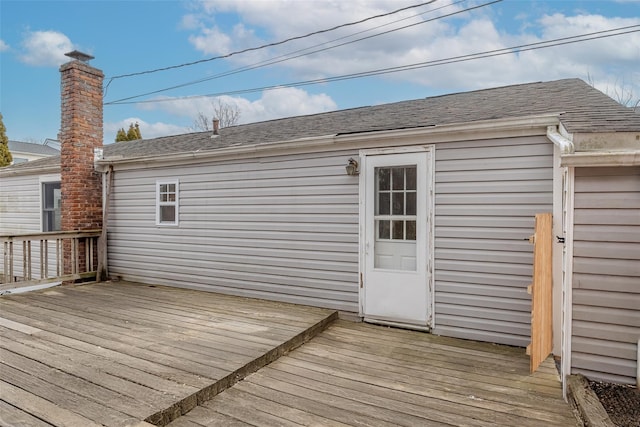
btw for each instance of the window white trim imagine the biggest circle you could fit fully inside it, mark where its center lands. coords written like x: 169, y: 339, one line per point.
x: 45, y: 179
x: 175, y: 203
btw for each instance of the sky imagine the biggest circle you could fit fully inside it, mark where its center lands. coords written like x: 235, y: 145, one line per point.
x: 373, y: 36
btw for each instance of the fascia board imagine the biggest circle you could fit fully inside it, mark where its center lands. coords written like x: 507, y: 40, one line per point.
x: 601, y: 159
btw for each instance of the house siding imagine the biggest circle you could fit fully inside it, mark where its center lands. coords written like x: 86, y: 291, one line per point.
x: 487, y: 194
x: 20, y: 213
x: 606, y: 273
x: 282, y: 228
x: 20, y: 204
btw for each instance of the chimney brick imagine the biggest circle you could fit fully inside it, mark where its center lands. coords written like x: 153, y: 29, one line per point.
x: 81, y: 131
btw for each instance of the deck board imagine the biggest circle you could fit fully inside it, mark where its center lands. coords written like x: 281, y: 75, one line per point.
x: 359, y: 374
x: 119, y: 353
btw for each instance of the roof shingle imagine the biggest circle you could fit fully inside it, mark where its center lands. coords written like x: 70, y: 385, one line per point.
x: 582, y: 109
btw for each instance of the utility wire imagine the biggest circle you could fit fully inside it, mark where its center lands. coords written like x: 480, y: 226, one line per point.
x: 274, y: 43
x: 308, y: 51
x: 462, y: 58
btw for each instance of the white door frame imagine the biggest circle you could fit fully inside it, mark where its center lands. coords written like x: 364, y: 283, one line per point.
x: 363, y: 189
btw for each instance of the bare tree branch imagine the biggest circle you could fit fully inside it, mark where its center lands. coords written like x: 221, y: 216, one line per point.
x: 228, y: 114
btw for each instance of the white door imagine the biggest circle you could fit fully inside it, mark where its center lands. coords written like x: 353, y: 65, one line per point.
x: 396, y: 234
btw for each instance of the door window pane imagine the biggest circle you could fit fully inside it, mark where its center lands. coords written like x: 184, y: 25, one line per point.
x: 395, y: 218
x: 384, y: 229
x: 383, y: 179
x: 411, y: 230
x: 397, y: 178
x: 398, y: 204
x: 411, y: 178
x: 384, y: 203
x: 398, y: 230
x: 411, y: 203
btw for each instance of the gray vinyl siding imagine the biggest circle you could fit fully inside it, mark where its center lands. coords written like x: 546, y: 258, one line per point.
x: 606, y: 273
x: 20, y: 204
x: 280, y: 228
x: 486, y: 196
x: 20, y: 213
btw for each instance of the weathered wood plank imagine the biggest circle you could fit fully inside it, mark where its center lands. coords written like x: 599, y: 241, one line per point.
x: 456, y: 391
x: 497, y: 402
x: 68, y: 362
x: 137, y: 352
x: 15, y: 417
x: 25, y: 329
x: 42, y: 408
x: 78, y: 329
x: 587, y: 403
x: 129, y: 331
x: 440, y: 362
x: 431, y: 410
x: 202, y: 416
x: 129, y: 405
x: 360, y: 374
x: 323, y: 407
x: 258, y: 403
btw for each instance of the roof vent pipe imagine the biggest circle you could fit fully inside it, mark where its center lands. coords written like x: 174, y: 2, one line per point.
x: 216, y: 126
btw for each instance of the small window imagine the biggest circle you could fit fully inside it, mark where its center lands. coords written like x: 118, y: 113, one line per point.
x: 167, y: 203
x: 51, y: 200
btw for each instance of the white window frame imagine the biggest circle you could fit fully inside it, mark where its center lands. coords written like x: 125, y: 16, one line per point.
x: 45, y: 179
x: 175, y: 203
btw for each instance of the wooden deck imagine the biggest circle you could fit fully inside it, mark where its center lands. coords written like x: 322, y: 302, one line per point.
x: 119, y: 354
x: 363, y: 375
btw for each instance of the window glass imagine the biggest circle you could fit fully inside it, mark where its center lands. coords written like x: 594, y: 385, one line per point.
x: 397, y: 178
x: 396, y: 202
x: 384, y: 229
x: 51, y: 206
x: 167, y: 203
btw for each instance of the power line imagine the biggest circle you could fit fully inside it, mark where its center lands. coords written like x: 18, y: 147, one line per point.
x: 308, y: 51
x: 272, y: 44
x: 462, y: 58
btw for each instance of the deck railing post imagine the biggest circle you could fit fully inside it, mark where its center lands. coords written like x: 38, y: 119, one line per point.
x: 75, y: 258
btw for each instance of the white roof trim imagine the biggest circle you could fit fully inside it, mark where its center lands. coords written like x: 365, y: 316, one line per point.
x: 601, y: 159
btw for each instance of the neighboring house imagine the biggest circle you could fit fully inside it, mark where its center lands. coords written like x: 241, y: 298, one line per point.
x: 28, y: 151
x: 413, y: 214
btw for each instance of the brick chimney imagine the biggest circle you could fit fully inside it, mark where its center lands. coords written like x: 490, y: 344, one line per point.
x: 81, y: 132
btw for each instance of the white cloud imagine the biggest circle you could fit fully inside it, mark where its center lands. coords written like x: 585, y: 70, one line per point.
x: 467, y: 33
x: 148, y: 130
x: 3, y: 46
x: 273, y: 104
x: 45, y: 48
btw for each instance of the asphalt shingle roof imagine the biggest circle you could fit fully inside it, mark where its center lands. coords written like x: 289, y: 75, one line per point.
x: 30, y: 147
x: 582, y: 109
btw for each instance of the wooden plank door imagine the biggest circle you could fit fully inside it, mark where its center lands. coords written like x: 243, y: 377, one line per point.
x: 541, y: 292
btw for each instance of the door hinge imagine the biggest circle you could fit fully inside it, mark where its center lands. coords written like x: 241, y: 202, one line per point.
x: 560, y: 239
x: 361, y: 281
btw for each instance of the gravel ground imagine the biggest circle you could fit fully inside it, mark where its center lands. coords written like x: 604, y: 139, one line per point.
x: 622, y: 402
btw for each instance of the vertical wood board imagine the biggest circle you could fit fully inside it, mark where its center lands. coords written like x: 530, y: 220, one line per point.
x: 542, y: 292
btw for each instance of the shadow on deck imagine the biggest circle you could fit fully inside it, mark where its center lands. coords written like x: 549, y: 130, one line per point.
x: 120, y: 354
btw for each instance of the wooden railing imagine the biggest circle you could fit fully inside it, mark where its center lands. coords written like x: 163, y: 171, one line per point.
x: 39, y: 258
